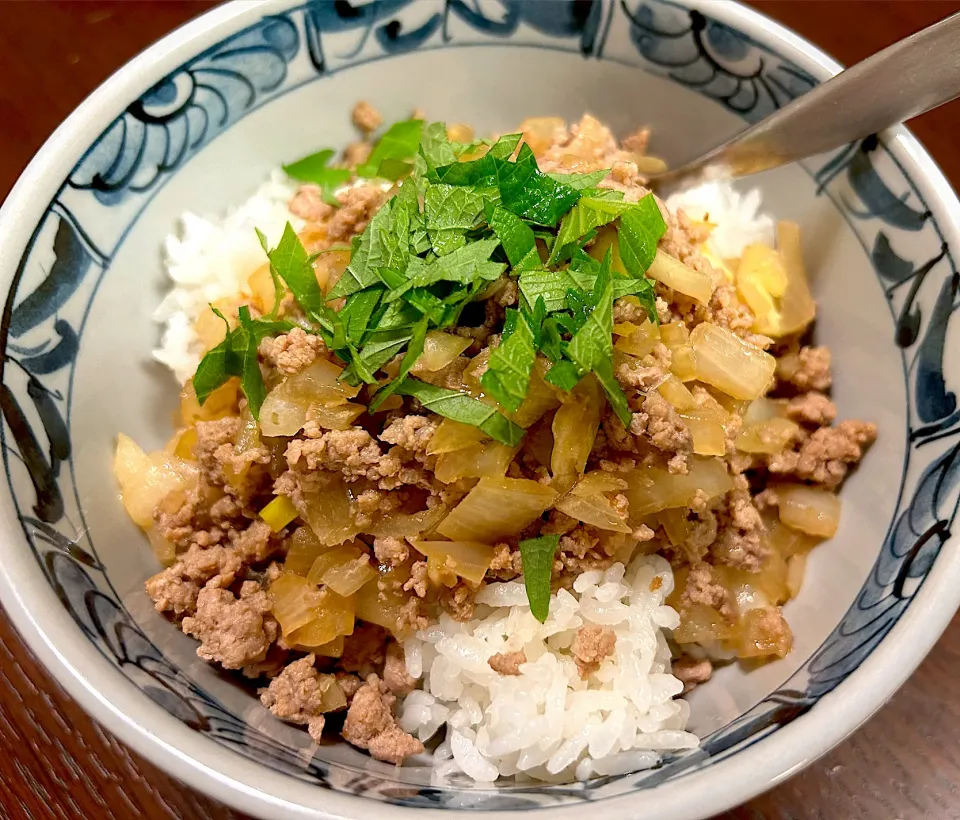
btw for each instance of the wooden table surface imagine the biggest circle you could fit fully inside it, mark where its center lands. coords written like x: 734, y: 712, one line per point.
x: 55, y: 762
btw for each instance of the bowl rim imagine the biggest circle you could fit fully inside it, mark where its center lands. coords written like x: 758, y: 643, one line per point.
x: 150, y: 731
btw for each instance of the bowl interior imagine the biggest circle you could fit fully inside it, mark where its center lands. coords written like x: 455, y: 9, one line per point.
x: 78, y: 333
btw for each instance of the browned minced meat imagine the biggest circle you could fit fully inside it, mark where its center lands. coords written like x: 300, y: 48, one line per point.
x: 691, y: 672
x: 660, y: 422
x: 814, y: 409
x: 370, y: 725
x: 297, y: 695
x: 827, y: 454
x: 175, y: 590
x: 291, y: 352
x: 357, y: 207
x: 227, y: 557
x: 507, y: 663
x: 234, y: 632
x: 806, y: 369
x: 395, y: 675
x: 365, y: 117
x: 590, y: 647
x: 703, y: 588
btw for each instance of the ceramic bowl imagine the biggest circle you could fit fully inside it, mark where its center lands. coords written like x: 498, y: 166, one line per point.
x: 198, y: 121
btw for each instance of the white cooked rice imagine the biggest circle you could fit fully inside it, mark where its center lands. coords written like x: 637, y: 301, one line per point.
x: 212, y: 259
x: 546, y: 723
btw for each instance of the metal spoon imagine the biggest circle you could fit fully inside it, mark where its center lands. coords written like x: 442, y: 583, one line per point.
x: 900, y: 82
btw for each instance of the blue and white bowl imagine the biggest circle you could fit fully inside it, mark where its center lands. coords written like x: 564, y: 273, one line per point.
x: 196, y: 123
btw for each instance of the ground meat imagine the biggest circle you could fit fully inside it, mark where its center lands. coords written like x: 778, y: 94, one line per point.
x: 356, y: 153
x: 691, y: 672
x: 807, y: 369
x: 291, y: 352
x: 703, y: 532
x: 413, y: 433
x: 175, y: 590
x: 590, y: 646
x: 232, y: 631
x: 460, y: 601
x: 222, y: 465
x: 739, y: 541
x: 826, y: 456
x: 703, y: 588
x: 349, y: 684
x: 297, y: 695
x: 624, y: 177
x: 357, y: 207
x: 661, y: 423
x: 308, y: 204
x: 644, y: 374
x: 370, y: 725
x: 507, y: 563
x: 813, y: 408
x: 390, y: 551
x: 364, y: 652
x: 395, y: 676
x: 353, y: 452
x: 365, y: 117
x: 507, y: 663
x: 636, y: 143
x: 256, y: 543
x: 418, y: 583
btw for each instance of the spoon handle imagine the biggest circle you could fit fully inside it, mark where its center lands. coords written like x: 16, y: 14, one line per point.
x: 904, y: 80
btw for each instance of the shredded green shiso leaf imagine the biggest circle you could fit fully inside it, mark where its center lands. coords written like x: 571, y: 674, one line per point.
x: 452, y: 229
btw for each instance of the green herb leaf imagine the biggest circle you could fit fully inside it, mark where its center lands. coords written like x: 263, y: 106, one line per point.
x: 478, y: 173
x: 400, y: 142
x: 564, y: 374
x: 640, y: 230
x: 507, y: 377
x: 314, y: 169
x: 435, y: 147
x: 384, y: 244
x: 461, y: 407
x: 537, y: 556
x: 251, y: 379
x: 380, y: 348
x: 517, y: 238
x: 552, y: 286
x: 292, y: 264
x: 527, y: 192
x: 589, y: 213
x: 414, y: 351
x: 450, y: 212
x: 580, y: 182
x: 358, y: 310
x: 465, y: 265
x: 592, y: 346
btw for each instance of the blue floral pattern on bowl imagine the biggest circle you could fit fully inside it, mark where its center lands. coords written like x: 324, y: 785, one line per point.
x: 98, y: 203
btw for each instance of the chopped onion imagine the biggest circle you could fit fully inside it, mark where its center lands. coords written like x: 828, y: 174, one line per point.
x: 575, y: 427
x: 599, y: 481
x: 451, y: 436
x: 497, y: 508
x: 334, y: 649
x: 676, y: 392
x: 328, y: 512
x: 681, y: 278
x: 797, y: 308
x: 343, y: 569
x: 145, y: 480
x: 729, y: 363
x: 333, y: 616
x: 284, y: 410
x: 304, y: 549
x: 400, y: 526
x: 488, y: 458
x: 770, y: 436
x: 761, y: 281
x: 439, y: 349
x: 764, y: 409
x: 164, y: 550
x: 786, y: 540
x: 595, y: 510
x: 540, y: 399
x: 468, y: 559
x: 707, y: 433
x: 340, y: 417
x: 653, y: 489
x: 539, y: 132
x: 810, y: 510
x: 796, y: 569
x: 221, y: 402
x: 763, y: 632
x: 294, y: 601
x: 637, y: 340
x: 381, y: 601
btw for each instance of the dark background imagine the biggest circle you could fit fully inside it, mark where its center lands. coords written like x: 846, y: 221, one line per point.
x: 57, y: 763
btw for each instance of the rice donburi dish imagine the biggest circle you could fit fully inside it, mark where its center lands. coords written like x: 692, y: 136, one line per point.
x: 485, y: 452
